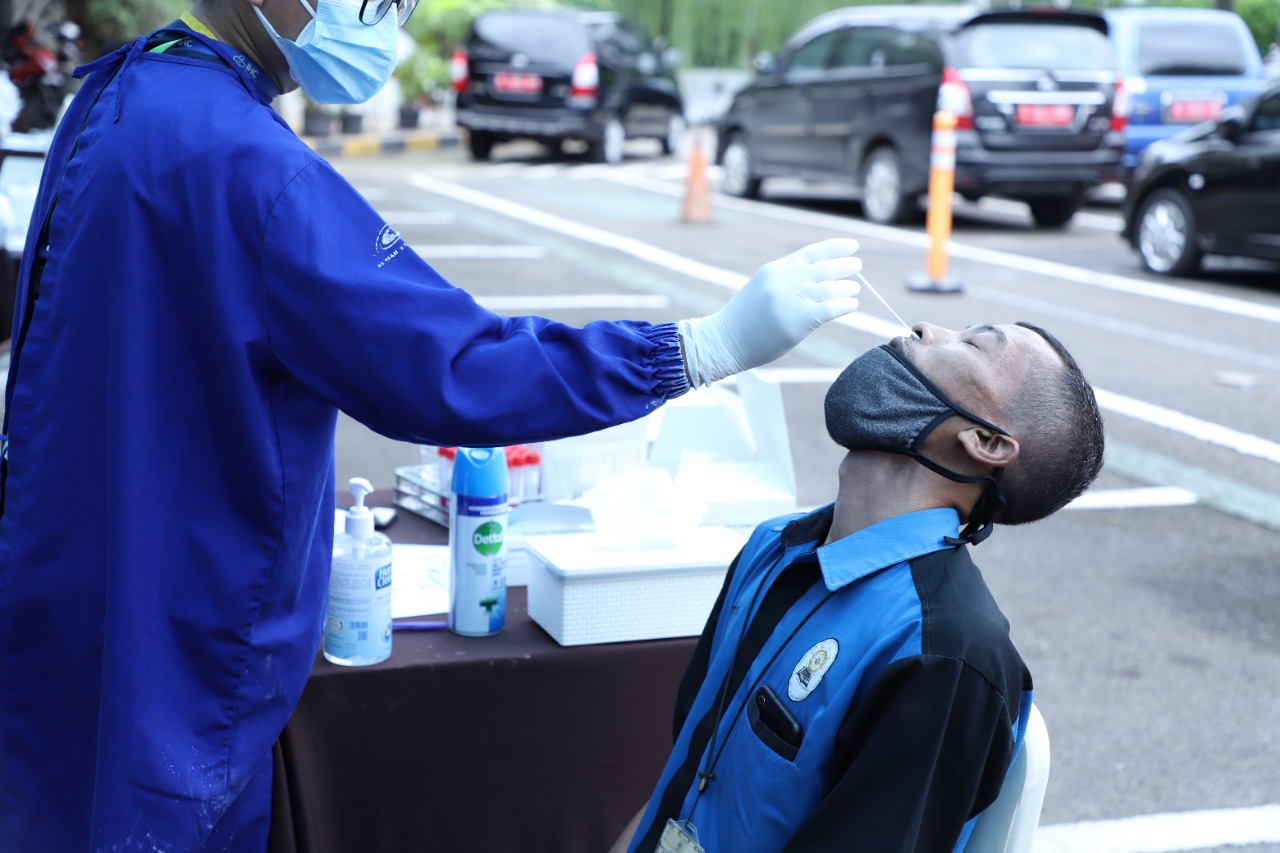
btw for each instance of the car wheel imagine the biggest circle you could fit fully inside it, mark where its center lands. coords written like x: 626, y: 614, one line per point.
x: 677, y: 128
x: 737, y: 175
x: 1166, y: 234
x: 480, y: 144
x: 1053, y: 212
x: 883, y: 200
x: 607, y: 148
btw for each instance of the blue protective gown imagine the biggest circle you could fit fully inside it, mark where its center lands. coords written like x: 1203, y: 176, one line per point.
x: 213, y: 293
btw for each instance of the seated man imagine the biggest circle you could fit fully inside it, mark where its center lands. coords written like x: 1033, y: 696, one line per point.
x: 855, y: 687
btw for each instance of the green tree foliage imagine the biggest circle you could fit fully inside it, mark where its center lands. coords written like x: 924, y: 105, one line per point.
x: 1263, y: 18
x: 728, y: 33
x: 438, y: 26
x: 107, y: 23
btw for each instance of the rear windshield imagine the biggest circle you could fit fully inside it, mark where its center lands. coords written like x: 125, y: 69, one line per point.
x: 1189, y: 49
x: 1025, y: 45
x: 541, y: 38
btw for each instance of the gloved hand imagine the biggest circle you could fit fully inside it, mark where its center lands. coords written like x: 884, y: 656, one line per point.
x: 782, y: 303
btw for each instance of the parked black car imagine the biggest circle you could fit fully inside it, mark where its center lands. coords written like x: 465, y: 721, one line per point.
x: 1211, y: 189
x: 851, y: 97
x: 559, y: 75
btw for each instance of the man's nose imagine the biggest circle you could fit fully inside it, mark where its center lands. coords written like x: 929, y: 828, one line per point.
x: 928, y: 333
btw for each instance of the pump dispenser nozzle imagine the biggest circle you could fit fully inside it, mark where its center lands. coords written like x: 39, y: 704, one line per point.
x: 359, y: 518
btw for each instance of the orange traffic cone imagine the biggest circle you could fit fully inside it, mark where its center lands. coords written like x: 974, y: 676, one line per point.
x: 697, y: 193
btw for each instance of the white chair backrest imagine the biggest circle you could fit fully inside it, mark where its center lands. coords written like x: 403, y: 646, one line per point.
x: 1009, y: 824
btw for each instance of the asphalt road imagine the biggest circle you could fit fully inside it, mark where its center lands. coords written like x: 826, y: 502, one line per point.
x: 1150, y: 616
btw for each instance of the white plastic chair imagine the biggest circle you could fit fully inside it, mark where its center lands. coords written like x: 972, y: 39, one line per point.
x: 1009, y: 824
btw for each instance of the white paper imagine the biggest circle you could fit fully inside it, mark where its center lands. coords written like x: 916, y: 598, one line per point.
x: 419, y: 580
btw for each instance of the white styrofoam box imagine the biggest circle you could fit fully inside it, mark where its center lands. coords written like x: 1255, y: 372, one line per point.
x: 729, y: 452
x: 580, y: 591
x: 539, y: 518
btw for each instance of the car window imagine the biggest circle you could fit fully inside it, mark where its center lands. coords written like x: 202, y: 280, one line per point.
x: 542, y: 39
x: 1267, y: 115
x: 619, y: 44
x: 862, y: 47
x: 1060, y: 47
x: 1189, y: 49
x: 912, y: 49
x: 812, y: 56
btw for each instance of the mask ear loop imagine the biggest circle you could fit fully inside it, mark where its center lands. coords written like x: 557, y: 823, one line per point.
x: 980, y: 525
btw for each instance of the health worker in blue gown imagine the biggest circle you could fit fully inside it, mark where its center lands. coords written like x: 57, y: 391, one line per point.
x: 199, y: 297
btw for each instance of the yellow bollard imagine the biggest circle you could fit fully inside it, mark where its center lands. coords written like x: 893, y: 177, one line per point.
x: 942, y: 177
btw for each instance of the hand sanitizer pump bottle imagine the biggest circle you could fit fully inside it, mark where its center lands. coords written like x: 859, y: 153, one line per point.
x: 357, y: 624
x: 478, y: 542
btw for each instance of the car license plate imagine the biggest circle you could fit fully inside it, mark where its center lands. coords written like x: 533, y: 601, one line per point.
x: 517, y: 84
x: 1191, y: 110
x: 1045, y: 115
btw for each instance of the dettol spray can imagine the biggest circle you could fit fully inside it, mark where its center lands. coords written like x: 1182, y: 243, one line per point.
x: 478, y: 542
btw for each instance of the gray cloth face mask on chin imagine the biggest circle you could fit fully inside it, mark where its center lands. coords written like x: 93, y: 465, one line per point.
x: 883, y: 402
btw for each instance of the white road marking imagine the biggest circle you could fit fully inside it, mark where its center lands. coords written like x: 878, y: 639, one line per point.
x: 541, y: 173
x: 1133, y: 498
x: 481, y: 252
x: 1241, y: 442
x: 1164, y: 833
x: 883, y: 329
x: 995, y: 257
x: 402, y: 218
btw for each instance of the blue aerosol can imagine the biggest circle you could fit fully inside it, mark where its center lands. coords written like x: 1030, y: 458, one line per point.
x: 478, y: 542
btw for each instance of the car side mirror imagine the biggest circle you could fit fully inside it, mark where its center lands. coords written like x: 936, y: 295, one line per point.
x: 765, y: 64
x: 1231, y: 124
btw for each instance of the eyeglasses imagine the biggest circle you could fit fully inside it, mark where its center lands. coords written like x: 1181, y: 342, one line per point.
x: 373, y: 11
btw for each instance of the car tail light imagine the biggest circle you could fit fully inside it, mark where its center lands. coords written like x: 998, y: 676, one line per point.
x: 585, y: 82
x: 459, y: 72
x: 1120, y: 106
x: 953, y: 97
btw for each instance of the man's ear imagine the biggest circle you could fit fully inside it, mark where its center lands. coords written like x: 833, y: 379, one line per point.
x: 988, y: 447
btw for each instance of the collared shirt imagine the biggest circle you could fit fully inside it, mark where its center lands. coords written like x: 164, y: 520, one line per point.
x: 895, y: 665
x: 213, y: 293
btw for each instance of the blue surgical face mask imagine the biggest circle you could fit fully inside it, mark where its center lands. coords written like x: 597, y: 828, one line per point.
x: 336, y: 59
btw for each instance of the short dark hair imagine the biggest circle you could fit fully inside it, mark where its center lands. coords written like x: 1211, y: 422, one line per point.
x: 1056, y: 419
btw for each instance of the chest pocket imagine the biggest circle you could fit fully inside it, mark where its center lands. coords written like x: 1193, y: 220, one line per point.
x: 774, y: 724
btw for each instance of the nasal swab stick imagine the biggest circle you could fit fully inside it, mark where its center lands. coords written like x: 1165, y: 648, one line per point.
x: 877, y: 295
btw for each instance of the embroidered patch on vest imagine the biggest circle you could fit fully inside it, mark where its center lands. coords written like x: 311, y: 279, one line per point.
x: 807, y: 674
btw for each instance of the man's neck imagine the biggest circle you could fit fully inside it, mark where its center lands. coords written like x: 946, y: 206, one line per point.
x: 235, y: 25
x: 877, y: 486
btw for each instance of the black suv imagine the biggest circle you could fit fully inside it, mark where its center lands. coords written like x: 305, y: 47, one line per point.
x: 553, y: 76
x: 852, y: 97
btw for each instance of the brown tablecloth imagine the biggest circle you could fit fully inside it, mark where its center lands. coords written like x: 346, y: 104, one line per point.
x: 457, y: 744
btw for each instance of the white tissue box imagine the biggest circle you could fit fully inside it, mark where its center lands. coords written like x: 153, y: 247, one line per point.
x: 581, y: 592
x: 729, y: 452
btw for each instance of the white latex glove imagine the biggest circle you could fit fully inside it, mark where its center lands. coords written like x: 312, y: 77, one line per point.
x: 782, y: 303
